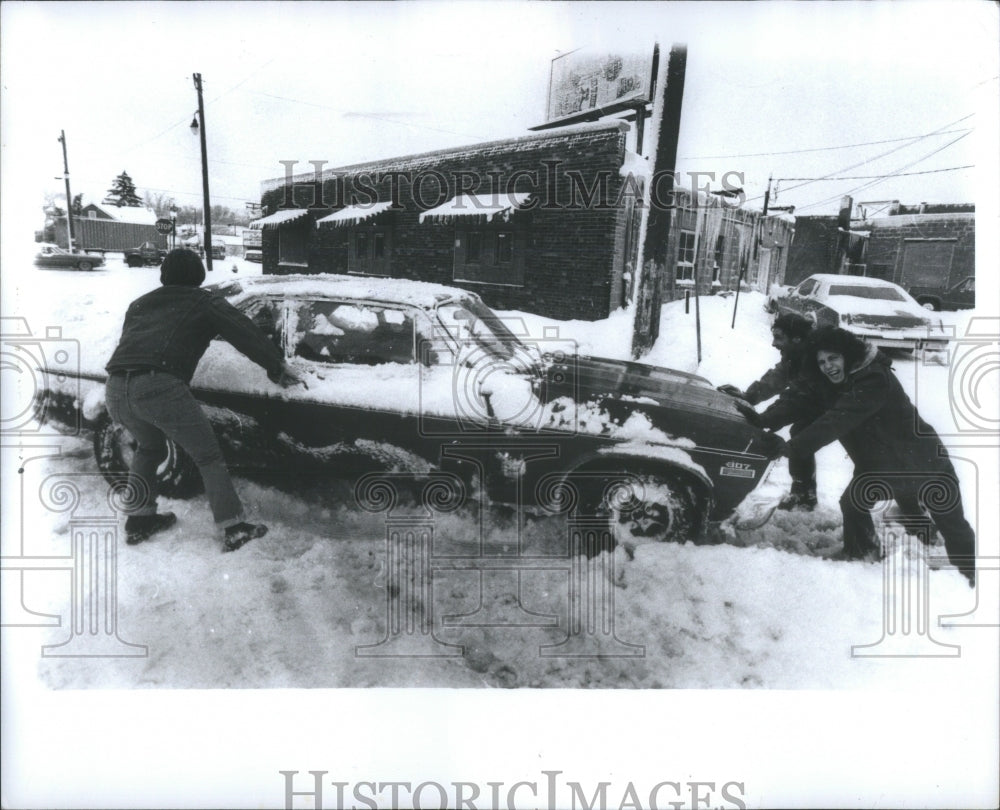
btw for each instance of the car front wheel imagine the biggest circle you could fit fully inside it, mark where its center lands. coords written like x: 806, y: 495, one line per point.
x: 654, y: 508
x: 929, y: 304
x: 114, y: 447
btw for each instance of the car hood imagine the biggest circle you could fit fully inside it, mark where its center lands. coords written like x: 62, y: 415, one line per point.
x: 682, y: 405
x: 898, y: 314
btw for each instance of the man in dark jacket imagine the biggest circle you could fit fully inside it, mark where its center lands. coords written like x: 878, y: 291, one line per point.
x: 788, y: 335
x: 165, y: 334
x: 895, y: 452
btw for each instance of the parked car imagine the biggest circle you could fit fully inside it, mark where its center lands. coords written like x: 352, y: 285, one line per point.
x: 148, y: 254
x: 254, y: 255
x: 958, y: 296
x: 417, y: 377
x: 54, y: 256
x: 881, y: 312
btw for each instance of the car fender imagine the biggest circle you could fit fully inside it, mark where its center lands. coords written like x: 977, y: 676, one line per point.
x: 643, y: 457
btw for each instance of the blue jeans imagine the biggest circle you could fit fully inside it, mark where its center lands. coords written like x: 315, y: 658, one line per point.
x: 157, y: 405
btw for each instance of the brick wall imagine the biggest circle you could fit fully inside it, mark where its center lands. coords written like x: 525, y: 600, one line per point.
x: 889, y: 236
x: 572, y: 250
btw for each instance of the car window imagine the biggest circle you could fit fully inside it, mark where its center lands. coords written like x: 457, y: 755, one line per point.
x: 806, y: 287
x: 866, y: 291
x: 969, y: 285
x: 347, y: 332
x: 267, y: 314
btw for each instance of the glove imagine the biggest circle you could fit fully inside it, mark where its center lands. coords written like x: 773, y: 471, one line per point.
x: 774, y: 445
x: 732, y: 390
x: 748, y: 412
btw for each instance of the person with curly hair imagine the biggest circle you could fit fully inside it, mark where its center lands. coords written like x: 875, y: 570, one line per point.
x: 863, y: 406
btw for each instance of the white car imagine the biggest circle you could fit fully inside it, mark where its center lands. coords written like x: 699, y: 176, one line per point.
x: 881, y: 312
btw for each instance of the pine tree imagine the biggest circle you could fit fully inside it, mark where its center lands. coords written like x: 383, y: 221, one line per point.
x: 123, y: 193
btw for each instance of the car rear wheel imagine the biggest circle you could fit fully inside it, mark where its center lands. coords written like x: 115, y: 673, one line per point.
x: 114, y: 447
x: 85, y: 266
x: 654, y: 508
x: 133, y: 261
x: 930, y: 304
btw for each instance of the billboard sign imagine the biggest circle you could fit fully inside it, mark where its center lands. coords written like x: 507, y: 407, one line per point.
x: 586, y: 83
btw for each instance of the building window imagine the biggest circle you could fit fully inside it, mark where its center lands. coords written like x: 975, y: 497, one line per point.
x: 685, y: 256
x: 292, y: 246
x: 369, y: 251
x: 490, y: 255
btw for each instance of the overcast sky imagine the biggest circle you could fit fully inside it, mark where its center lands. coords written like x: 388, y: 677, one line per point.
x: 347, y: 82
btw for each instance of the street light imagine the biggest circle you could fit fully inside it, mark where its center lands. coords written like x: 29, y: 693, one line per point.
x: 200, y: 130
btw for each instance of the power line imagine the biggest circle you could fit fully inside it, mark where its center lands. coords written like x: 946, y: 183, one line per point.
x: 830, y: 148
x: 878, y: 176
x: 883, y: 178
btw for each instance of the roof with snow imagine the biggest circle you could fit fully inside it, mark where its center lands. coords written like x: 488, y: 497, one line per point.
x: 396, y: 290
x: 900, y: 220
x: 416, y: 161
x: 859, y: 281
x: 353, y: 214
x: 489, y: 206
x: 127, y: 213
x: 279, y: 218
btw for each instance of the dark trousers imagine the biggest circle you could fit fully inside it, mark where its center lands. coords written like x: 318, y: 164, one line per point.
x: 802, y: 467
x: 926, y: 500
x: 157, y: 405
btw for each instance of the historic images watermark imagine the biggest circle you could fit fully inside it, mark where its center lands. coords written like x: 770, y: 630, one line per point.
x: 314, y: 790
x: 550, y: 187
x: 34, y: 367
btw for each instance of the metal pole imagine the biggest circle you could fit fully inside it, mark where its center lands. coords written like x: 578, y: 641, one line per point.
x: 204, y: 175
x: 739, y: 282
x: 69, y: 199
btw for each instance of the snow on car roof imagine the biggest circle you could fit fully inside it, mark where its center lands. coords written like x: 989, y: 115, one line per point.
x: 402, y: 291
x: 858, y: 281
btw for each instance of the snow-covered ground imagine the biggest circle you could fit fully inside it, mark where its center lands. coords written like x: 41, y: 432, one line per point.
x: 296, y: 609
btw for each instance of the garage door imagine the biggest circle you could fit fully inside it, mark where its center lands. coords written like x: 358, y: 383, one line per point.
x: 927, y: 262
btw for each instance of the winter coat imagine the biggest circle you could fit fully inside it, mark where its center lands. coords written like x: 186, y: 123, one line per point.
x: 777, y: 378
x: 869, y: 413
x: 170, y: 328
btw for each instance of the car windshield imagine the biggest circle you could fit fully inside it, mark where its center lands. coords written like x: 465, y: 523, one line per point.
x: 865, y: 291
x: 474, y: 320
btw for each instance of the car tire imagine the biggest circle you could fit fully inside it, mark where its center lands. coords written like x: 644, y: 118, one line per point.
x: 929, y: 303
x: 177, y: 476
x: 85, y: 266
x: 134, y: 261
x: 655, y: 508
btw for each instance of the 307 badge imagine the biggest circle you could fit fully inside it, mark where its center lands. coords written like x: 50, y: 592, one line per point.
x: 738, y: 469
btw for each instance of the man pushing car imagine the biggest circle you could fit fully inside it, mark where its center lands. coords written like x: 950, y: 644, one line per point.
x: 165, y: 334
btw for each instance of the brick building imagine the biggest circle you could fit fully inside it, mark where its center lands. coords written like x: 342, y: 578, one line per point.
x: 919, y: 245
x: 547, y: 223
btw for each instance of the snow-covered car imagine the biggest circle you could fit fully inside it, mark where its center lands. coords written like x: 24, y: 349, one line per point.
x: 881, y: 312
x: 54, y: 256
x: 407, y: 377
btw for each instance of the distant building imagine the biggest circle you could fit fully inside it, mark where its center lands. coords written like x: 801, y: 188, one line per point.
x: 110, y: 228
x: 911, y: 245
x: 546, y: 223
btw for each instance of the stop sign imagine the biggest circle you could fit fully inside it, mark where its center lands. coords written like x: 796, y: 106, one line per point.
x: 164, y: 226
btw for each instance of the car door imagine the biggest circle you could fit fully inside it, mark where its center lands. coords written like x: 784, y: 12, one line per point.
x: 237, y: 395
x: 358, y: 408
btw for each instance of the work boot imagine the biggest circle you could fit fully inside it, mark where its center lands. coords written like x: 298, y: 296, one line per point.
x: 242, y: 533
x: 142, y: 527
x: 798, y: 501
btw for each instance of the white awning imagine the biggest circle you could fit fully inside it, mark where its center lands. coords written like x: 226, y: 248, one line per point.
x: 478, y: 205
x: 353, y: 214
x: 279, y: 218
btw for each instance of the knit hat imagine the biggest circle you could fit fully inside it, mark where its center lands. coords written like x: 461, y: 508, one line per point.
x: 182, y: 267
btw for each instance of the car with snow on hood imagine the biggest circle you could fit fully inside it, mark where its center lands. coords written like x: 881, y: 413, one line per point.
x: 881, y: 312
x: 417, y: 379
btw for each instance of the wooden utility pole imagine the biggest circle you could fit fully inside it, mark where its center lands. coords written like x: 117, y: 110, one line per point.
x: 69, y: 198
x: 743, y: 270
x: 655, y: 229
x: 207, y: 240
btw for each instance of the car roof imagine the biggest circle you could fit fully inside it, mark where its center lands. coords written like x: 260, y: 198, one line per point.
x: 861, y: 281
x: 389, y: 290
